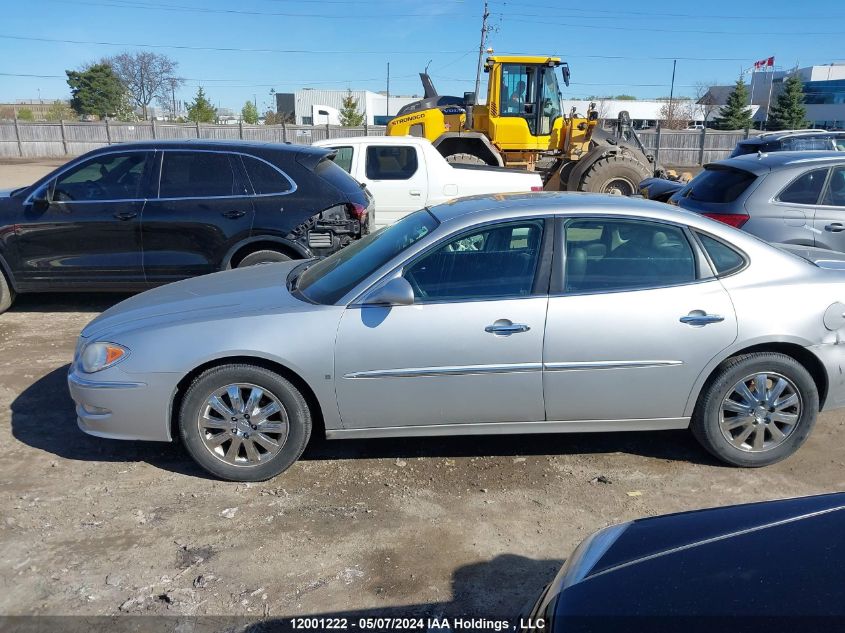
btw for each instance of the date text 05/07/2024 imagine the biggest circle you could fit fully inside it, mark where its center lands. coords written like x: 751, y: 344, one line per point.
x: 391, y: 624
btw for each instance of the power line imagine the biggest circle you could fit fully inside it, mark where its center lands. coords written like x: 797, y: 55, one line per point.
x: 226, y: 49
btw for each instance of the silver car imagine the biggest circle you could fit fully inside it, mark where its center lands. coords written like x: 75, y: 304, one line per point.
x: 529, y: 313
x: 786, y: 197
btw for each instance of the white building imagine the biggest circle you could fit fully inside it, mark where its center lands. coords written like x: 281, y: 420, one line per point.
x: 318, y: 107
x: 643, y: 113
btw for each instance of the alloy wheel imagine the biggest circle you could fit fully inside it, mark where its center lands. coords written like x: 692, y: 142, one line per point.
x: 760, y: 412
x: 243, y: 425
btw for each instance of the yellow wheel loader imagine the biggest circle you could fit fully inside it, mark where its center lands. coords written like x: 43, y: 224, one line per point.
x: 521, y: 125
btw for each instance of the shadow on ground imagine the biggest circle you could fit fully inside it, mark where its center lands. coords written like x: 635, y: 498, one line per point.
x: 44, y: 417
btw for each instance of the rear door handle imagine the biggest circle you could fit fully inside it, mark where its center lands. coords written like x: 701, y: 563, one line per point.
x: 699, y: 317
x: 835, y: 227
x: 125, y: 215
x: 505, y: 327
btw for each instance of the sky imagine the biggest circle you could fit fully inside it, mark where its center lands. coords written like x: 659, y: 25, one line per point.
x: 240, y: 50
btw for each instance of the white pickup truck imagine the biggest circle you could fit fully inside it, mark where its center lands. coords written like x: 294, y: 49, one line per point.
x: 406, y: 173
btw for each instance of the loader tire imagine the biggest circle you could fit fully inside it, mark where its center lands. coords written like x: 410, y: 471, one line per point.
x: 465, y: 159
x: 615, y: 174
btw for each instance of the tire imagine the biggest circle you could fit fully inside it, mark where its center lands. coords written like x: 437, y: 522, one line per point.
x: 709, y: 413
x: 465, y: 159
x: 216, y: 455
x: 564, y: 174
x: 263, y: 257
x: 616, y: 173
x: 7, y: 295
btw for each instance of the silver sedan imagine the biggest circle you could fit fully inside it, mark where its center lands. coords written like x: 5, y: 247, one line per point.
x: 532, y: 313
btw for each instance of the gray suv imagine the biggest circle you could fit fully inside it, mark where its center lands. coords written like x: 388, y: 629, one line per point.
x: 787, y: 197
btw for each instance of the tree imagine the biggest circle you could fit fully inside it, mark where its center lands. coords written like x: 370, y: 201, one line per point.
x: 249, y: 113
x: 676, y: 113
x: 201, y: 109
x: 736, y: 113
x: 146, y: 75
x: 789, y: 112
x: 625, y: 98
x: 95, y: 90
x: 706, y: 100
x: 60, y: 111
x: 25, y: 114
x: 349, y: 115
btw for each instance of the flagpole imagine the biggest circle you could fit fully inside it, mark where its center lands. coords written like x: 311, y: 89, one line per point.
x: 751, y: 99
x: 769, y: 102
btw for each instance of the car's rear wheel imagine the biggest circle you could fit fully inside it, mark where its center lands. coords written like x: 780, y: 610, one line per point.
x: 243, y: 422
x: 757, y: 410
x: 7, y: 295
x: 265, y: 256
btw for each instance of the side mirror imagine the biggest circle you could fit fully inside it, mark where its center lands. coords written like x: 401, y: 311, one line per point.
x: 41, y: 197
x: 469, y: 99
x: 396, y: 292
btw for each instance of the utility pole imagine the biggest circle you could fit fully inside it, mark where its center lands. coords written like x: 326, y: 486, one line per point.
x: 671, y: 111
x: 481, y: 48
x: 387, y: 103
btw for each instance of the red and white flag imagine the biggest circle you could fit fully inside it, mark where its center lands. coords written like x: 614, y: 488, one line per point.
x: 770, y: 62
x: 764, y: 63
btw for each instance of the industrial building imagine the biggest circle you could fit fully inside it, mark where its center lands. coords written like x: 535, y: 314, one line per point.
x: 319, y: 107
x: 824, y: 94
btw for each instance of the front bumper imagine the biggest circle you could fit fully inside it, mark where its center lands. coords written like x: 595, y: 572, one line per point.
x: 121, y: 406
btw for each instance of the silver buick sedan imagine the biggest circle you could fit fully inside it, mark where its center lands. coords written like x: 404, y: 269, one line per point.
x: 530, y: 313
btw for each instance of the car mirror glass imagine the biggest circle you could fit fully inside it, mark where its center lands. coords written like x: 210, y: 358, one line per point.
x: 396, y: 292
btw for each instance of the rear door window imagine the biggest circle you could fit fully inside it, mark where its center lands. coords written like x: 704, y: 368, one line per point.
x: 265, y: 178
x: 719, y: 185
x: 805, y: 189
x: 835, y: 194
x: 391, y: 162
x: 198, y: 175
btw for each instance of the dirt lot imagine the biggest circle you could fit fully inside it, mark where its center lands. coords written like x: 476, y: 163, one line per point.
x: 471, y: 526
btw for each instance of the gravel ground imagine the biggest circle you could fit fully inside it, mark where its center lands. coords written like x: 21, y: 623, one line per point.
x: 434, y: 525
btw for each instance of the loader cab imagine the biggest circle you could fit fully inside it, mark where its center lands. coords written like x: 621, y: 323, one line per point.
x: 523, y: 98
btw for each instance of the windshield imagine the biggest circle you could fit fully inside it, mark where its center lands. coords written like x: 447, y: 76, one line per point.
x: 329, y: 279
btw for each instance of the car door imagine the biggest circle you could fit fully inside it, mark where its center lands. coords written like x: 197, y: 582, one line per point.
x: 82, y: 228
x: 790, y: 217
x: 396, y: 176
x: 634, y: 316
x: 829, y: 221
x: 203, y: 208
x: 467, y: 351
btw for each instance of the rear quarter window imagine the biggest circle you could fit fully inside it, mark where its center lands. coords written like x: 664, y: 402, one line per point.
x: 265, y: 178
x: 724, y: 258
x: 719, y: 185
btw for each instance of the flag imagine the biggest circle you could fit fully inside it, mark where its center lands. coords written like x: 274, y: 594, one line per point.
x: 770, y: 62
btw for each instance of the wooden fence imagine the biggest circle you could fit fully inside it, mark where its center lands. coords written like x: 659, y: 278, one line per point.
x: 676, y: 148
x: 44, y: 140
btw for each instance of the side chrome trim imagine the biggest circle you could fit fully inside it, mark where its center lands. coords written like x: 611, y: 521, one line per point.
x: 456, y: 370
x: 610, y: 364
x: 101, y: 384
x: 512, y: 428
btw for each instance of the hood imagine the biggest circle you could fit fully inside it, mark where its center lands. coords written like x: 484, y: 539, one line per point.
x: 737, y: 560
x: 231, y: 292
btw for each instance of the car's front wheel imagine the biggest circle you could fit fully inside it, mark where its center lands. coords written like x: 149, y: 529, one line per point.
x: 757, y: 410
x: 244, y: 422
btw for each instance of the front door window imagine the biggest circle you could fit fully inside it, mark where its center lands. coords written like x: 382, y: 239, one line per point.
x: 106, y: 177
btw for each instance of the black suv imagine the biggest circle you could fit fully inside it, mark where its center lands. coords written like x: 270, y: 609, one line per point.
x: 128, y: 217
x: 791, y: 141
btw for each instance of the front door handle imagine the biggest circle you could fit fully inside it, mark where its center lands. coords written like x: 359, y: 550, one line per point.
x: 835, y: 227
x: 415, y: 192
x: 505, y: 327
x: 699, y: 317
x: 125, y: 215
x: 234, y: 215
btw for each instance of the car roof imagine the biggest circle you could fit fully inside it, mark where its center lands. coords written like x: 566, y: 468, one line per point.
x: 550, y: 203
x: 767, y: 161
x: 371, y: 140
x: 767, y: 137
x: 211, y: 144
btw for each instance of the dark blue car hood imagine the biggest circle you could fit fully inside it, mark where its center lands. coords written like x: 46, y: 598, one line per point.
x: 766, y: 563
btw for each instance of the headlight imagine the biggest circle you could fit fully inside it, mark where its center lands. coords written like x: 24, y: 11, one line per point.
x: 97, y: 356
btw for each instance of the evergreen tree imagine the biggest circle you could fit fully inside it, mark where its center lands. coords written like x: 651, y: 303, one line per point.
x: 789, y: 112
x: 349, y: 115
x: 735, y: 114
x: 95, y: 90
x: 249, y: 113
x: 201, y: 109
